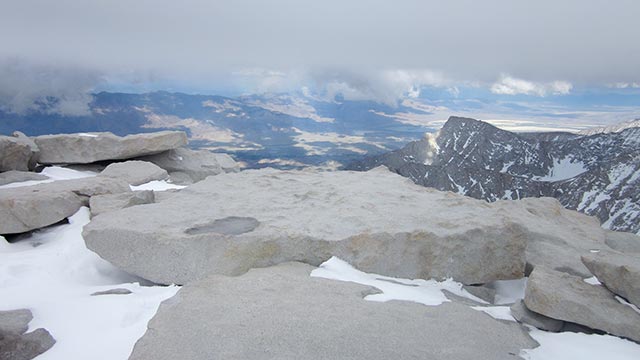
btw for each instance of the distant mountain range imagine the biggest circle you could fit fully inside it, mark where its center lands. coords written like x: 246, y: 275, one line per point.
x: 597, y: 173
x: 260, y: 130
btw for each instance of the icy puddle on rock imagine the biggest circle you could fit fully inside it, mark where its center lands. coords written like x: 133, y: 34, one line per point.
x: 53, y: 274
x: 561, y: 346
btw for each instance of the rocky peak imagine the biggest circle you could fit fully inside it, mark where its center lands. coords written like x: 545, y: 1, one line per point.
x: 596, y: 174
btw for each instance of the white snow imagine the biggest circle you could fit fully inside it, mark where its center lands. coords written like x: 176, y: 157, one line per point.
x: 579, y: 346
x: 461, y: 189
x: 54, y: 173
x: 87, y: 135
x: 625, y: 302
x: 62, y: 173
x: 563, y: 169
x: 52, y: 273
x: 496, y: 312
x: 156, y: 185
x: 427, y: 292
x: 506, y: 166
x: 560, y: 346
x: 592, y: 281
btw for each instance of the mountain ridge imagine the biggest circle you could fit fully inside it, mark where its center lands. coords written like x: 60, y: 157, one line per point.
x: 597, y: 174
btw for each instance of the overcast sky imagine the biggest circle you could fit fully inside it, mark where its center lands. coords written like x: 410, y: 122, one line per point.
x: 369, y: 48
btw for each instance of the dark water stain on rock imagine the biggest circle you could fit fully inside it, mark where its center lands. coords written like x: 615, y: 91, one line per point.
x: 232, y: 225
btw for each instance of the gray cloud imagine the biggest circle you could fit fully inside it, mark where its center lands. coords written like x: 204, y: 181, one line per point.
x: 575, y: 41
x: 25, y: 86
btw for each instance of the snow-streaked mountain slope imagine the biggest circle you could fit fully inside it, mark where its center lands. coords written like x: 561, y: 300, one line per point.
x: 596, y: 174
x: 611, y: 128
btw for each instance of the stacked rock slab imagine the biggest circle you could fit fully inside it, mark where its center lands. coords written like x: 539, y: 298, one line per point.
x: 89, y: 148
x: 521, y: 313
x: 230, y: 223
x: 620, y: 273
x: 190, y: 166
x: 100, y: 204
x: 14, y: 176
x: 15, y: 343
x: 135, y: 172
x: 35, y: 151
x: 377, y: 221
x: 569, y: 298
x: 14, y: 154
x: 27, y: 208
x: 282, y: 313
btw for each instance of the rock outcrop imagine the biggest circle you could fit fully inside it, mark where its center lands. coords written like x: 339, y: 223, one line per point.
x: 266, y: 217
x: 13, y: 176
x: 623, y: 242
x: 377, y: 221
x: 35, y: 151
x: 24, y: 211
x: 520, y: 312
x: 282, y: 313
x: 593, y: 174
x: 565, y: 297
x: 31, y: 207
x: 135, y: 172
x: 15, y: 342
x: 620, y: 273
x: 89, y: 148
x: 197, y: 164
x: 100, y: 204
x: 14, y: 154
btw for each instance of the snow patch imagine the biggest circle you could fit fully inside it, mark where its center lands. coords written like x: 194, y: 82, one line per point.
x: 592, y: 281
x: 563, y: 169
x: 625, y: 302
x: 156, y: 185
x: 506, y: 166
x: 54, y: 173
x: 496, y: 312
x: 579, y: 346
x: 426, y: 292
x: 53, y: 274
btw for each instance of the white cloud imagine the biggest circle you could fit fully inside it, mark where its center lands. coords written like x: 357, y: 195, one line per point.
x: 210, y: 39
x: 385, y: 86
x: 508, y: 85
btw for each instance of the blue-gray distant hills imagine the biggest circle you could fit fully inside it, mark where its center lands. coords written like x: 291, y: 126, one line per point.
x: 261, y: 130
x: 597, y: 172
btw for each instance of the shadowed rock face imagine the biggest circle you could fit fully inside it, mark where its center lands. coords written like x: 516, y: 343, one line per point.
x: 193, y: 165
x: 282, y: 313
x: 232, y: 225
x: 520, y: 312
x: 591, y: 173
x: 619, y: 272
x: 27, y: 208
x: 376, y: 220
x: 14, y: 154
x: 565, y: 297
